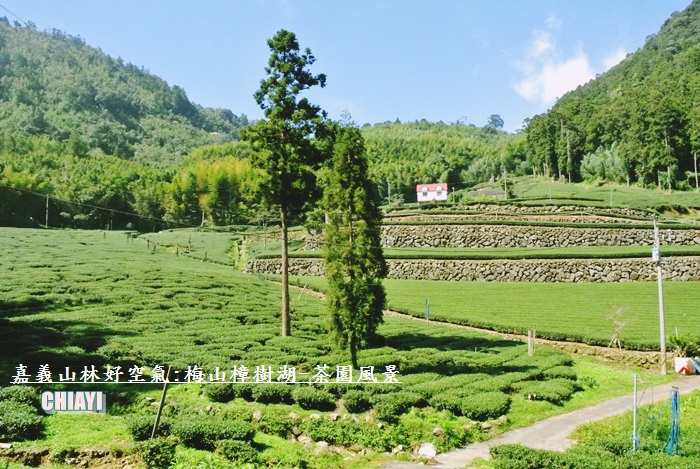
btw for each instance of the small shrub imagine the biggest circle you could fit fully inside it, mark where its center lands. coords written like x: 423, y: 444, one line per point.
x: 220, y: 392
x: 348, y: 433
x: 244, y: 391
x: 202, y: 431
x: 565, y: 372
x: 275, y: 422
x: 24, y: 394
x: 391, y: 406
x: 517, y: 456
x: 447, y: 401
x: 237, y: 451
x: 141, y: 426
x: 310, y: 398
x: 357, y: 401
x: 484, y: 406
x: 273, y: 394
x: 19, y: 421
x: 158, y: 452
x: 554, y: 390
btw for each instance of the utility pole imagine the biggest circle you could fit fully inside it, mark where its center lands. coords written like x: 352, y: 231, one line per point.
x: 656, y: 257
x: 47, y: 211
x: 634, y: 417
x: 388, y: 197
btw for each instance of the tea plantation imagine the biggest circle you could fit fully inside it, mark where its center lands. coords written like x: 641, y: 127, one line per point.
x: 87, y: 298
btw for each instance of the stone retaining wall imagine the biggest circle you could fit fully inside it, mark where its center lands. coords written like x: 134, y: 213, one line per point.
x: 524, y: 270
x: 508, y: 236
x: 511, y: 208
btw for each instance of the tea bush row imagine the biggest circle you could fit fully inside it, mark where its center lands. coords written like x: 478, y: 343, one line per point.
x: 483, y: 406
x: 307, y: 397
x: 203, y: 431
x: 517, y: 456
x: 195, y: 431
x: 346, y: 432
x: 19, y: 419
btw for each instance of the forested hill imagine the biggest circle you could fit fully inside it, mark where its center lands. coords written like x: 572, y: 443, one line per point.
x: 638, y: 122
x: 403, y: 155
x: 55, y: 87
x: 107, y: 143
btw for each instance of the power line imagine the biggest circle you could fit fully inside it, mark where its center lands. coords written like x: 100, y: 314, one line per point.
x: 97, y: 207
x: 23, y: 22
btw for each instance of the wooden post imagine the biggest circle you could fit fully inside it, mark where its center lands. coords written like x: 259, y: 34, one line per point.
x: 160, y: 406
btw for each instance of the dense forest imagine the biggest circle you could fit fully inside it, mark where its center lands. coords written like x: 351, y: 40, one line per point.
x: 403, y: 155
x: 637, y: 123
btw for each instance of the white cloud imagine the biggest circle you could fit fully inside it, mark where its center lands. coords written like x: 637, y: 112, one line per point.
x: 541, y: 44
x: 553, y: 22
x: 614, y: 58
x: 545, y: 75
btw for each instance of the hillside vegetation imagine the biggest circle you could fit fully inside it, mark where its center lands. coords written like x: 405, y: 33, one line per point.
x: 639, y: 122
x: 81, y: 126
x: 403, y: 155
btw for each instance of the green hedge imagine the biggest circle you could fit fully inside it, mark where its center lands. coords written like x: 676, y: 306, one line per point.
x: 560, y: 371
x: 158, y: 453
x: 346, y: 432
x: 203, y: 431
x: 554, y: 390
x: 220, y: 392
x: 238, y: 451
x: 19, y: 421
x: 273, y: 393
x: 485, y: 406
x: 23, y: 394
x: 357, y: 401
x: 390, y: 406
x: 275, y: 421
x: 309, y: 398
x: 141, y: 426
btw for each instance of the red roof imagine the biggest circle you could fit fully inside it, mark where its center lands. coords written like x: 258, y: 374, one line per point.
x: 431, y: 187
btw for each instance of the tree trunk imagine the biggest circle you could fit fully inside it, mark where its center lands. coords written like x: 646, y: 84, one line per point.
x: 697, y: 188
x: 286, y: 325
x: 353, y: 353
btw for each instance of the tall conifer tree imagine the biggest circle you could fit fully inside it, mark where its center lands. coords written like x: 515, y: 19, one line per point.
x: 352, y: 251
x: 285, y: 151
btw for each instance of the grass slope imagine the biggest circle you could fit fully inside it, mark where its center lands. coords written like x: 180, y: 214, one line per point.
x: 578, y: 312
x: 76, y: 298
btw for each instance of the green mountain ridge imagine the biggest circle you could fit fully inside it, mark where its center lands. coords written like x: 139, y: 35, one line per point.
x: 54, y: 85
x: 638, y: 122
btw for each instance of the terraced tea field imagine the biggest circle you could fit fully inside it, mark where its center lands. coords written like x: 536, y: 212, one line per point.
x: 579, y: 312
x: 79, y: 298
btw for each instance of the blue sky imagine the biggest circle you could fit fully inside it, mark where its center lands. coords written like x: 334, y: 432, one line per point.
x: 435, y: 60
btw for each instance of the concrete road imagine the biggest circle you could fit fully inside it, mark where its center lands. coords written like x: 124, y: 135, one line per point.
x: 553, y: 433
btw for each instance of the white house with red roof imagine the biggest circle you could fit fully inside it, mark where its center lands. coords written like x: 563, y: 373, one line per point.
x: 432, y: 192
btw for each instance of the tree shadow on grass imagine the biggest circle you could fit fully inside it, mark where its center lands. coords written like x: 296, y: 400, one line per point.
x: 59, y: 343
x: 454, y: 354
x: 413, y: 340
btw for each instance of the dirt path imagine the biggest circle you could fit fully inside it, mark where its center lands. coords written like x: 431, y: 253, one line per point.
x: 630, y: 357
x: 553, y: 433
